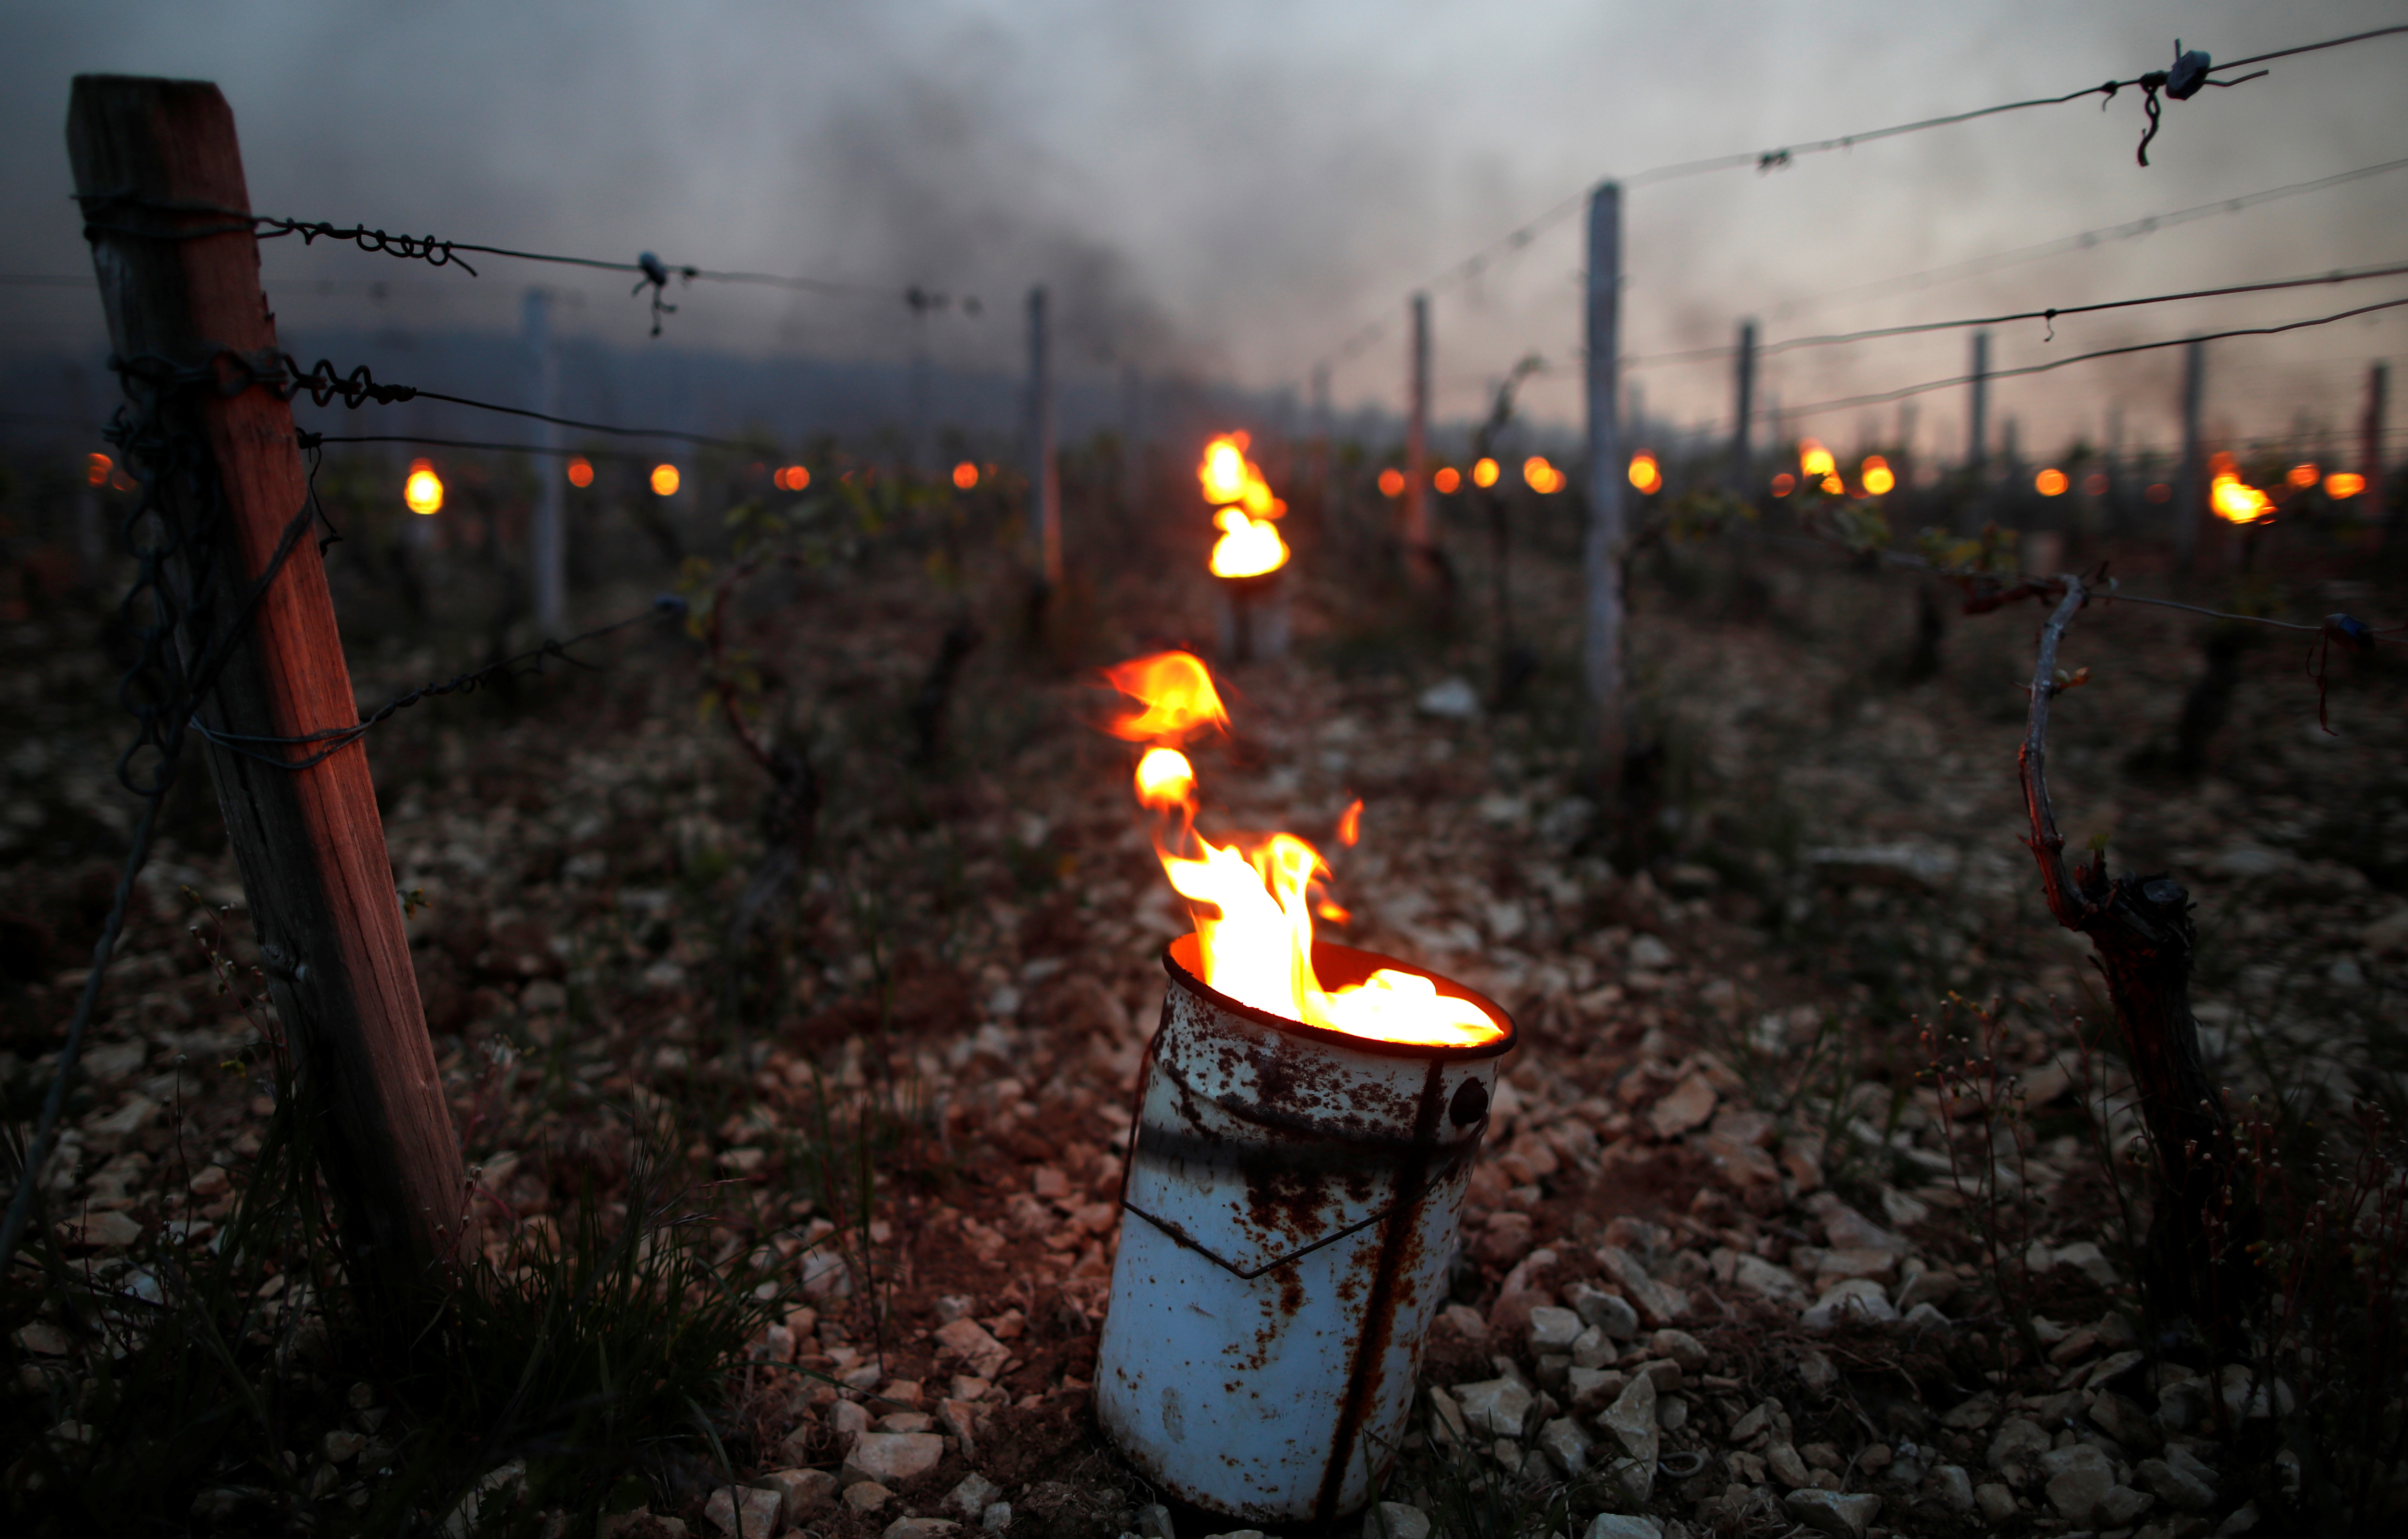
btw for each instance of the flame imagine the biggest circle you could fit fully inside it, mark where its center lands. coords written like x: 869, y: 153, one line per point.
x: 2305, y: 475
x: 1484, y: 473
x: 1644, y: 474
x: 1392, y: 482
x: 423, y: 491
x: 2236, y: 501
x: 96, y: 469
x: 1447, y: 479
x: 1541, y: 476
x: 1878, y: 477
x: 1833, y: 486
x: 1178, y: 693
x: 1784, y: 484
x: 790, y: 477
x: 664, y: 479
x: 1814, y: 460
x: 1248, y: 548
x: 2051, y: 482
x: 1255, y: 908
x: 2343, y: 483
x: 580, y: 471
x: 964, y: 476
x: 1224, y: 470
x: 1350, y: 824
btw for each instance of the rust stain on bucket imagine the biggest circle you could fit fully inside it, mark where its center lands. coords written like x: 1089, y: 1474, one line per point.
x: 1290, y: 1203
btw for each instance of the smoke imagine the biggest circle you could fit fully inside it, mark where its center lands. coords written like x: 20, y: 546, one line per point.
x: 1228, y: 191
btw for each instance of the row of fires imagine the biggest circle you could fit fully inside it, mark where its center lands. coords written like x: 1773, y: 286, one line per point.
x: 1245, y: 507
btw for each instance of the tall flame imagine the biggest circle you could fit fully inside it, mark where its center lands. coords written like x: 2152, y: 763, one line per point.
x: 1249, y: 546
x: 1253, y: 907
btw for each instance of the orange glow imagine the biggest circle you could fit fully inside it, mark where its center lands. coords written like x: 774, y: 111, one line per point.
x: 2051, y: 482
x: 1814, y: 461
x: 1253, y: 908
x: 422, y: 493
x: 2158, y: 493
x: 1248, y: 548
x: 96, y: 469
x: 1484, y: 473
x: 2236, y: 501
x: 1644, y: 474
x: 580, y: 471
x: 2096, y: 483
x: 1392, y: 482
x: 1878, y: 477
x: 2305, y: 475
x: 1224, y: 470
x: 1166, y: 781
x: 1784, y: 484
x: 792, y: 477
x: 964, y: 476
x: 2343, y: 483
x: 1447, y: 479
x: 1350, y: 824
x: 1833, y: 486
x: 1541, y: 476
x: 1178, y: 693
x: 664, y: 479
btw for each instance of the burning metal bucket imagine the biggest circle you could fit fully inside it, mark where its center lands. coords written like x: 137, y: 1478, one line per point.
x: 1289, y: 1211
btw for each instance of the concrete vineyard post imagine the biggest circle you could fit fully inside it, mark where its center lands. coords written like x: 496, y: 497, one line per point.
x: 2191, y: 480
x: 1602, y: 547
x: 1416, y: 512
x: 157, y: 164
x: 1742, y: 408
x: 1045, y: 491
x: 551, y: 544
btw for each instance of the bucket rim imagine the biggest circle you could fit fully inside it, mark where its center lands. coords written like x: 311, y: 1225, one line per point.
x: 1185, y: 972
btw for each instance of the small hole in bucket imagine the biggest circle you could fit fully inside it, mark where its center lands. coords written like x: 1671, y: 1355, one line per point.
x: 1471, y: 1104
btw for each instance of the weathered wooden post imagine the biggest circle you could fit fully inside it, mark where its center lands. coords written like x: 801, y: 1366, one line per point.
x: 1602, y: 548
x: 1044, y: 487
x: 159, y: 176
x: 550, y: 552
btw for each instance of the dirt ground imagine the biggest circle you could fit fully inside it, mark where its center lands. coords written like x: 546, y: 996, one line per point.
x: 1728, y: 1265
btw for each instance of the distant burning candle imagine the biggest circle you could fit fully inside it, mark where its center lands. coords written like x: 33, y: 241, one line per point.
x: 1305, y: 1132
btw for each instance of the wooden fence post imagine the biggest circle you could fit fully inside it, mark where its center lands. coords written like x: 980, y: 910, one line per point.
x: 160, y: 174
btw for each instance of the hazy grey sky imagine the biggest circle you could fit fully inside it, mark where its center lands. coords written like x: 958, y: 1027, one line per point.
x: 1232, y: 188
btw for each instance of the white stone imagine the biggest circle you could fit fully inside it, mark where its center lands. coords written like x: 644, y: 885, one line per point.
x: 920, y: 1527
x: 2177, y: 1488
x: 1768, y: 1281
x: 2121, y: 1505
x: 2078, y: 1477
x: 1396, y: 1520
x: 890, y: 1459
x: 1996, y: 1502
x: 1564, y: 1441
x: 2018, y: 1442
x: 1632, y: 1419
x: 1954, y: 1487
x: 1831, y: 1513
x: 1609, y: 1312
x: 799, y: 1491
x: 972, y: 1495
x: 1858, y: 1301
x: 1496, y: 1405
x: 996, y: 1518
x: 1620, y: 1525
x: 743, y: 1511
x: 1450, y: 700
x: 968, y: 1340
x: 1554, y: 1329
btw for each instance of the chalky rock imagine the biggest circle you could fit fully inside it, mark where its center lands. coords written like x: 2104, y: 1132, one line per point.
x: 799, y: 1491
x: 1564, y: 1441
x: 1767, y: 1280
x: 1396, y: 1520
x: 1632, y: 1419
x: 743, y: 1511
x: 1954, y: 1487
x: 1609, y: 1312
x: 1857, y: 1301
x: 1499, y: 1405
x: 892, y: 1459
x: 1843, y: 1517
x: 2178, y: 1489
x: 920, y: 1527
x: 2078, y: 1478
x: 972, y: 1497
x: 1617, y: 1525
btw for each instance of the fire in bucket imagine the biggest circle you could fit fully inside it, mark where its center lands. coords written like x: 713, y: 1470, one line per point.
x: 1307, y: 1123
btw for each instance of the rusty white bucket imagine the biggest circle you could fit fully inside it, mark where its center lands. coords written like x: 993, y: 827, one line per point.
x: 1290, y: 1207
